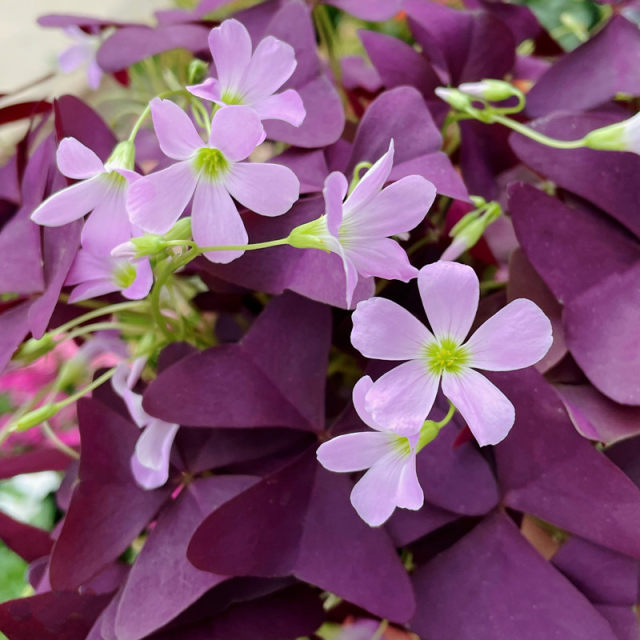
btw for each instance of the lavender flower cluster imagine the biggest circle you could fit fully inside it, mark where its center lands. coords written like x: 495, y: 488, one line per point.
x: 298, y: 273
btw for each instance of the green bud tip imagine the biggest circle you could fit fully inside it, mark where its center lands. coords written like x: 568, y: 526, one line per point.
x: 455, y: 98
x: 489, y: 89
x: 36, y: 417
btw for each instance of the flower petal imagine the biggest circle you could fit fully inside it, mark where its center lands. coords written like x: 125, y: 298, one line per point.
x: 74, y: 57
x: 398, y: 208
x: 133, y: 401
x: 92, y: 289
x: 358, y: 395
x: 230, y: 45
x: 371, y: 183
x: 381, y: 257
x: 176, y: 133
x: 486, y: 410
x: 216, y: 221
x: 374, y: 496
x: 77, y: 161
x: 350, y: 271
x: 518, y: 336
x: 207, y: 90
x: 384, y: 330
x: 268, y: 189
x: 334, y: 191
x: 354, y: 451
x: 236, y: 131
x: 154, y: 445
x: 450, y: 292
x: 71, y: 203
x: 156, y: 201
x: 409, y: 494
x: 287, y: 106
x: 108, y: 225
x: 142, y: 284
x: 270, y: 67
x: 401, y: 399
x: 88, y: 266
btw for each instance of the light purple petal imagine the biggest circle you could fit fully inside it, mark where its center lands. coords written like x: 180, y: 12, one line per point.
x: 216, y: 221
x: 74, y: 57
x: 94, y: 73
x: 108, y: 225
x: 271, y: 66
x: 154, y: 444
x: 486, y: 410
x: 230, y: 46
x: 207, y: 90
x: 359, y: 393
x: 268, y: 189
x: 334, y: 191
x: 71, y: 203
x: 77, y: 161
x: 176, y: 134
x: 92, y: 289
x: 148, y: 478
x: 450, y: 294
x: 142, y: 284
x: 88, y: 266
x: 401, y: 399
x: 350, y: 271
x: 381, y: 257
x: 384, y: 330
x: 398, y: 208
x: 518, y: 336
x: 236, y: 131
x: 354, y: 451
x: 372, y: 181
x: 287, y: 106
x: 156, y: 201
x: 374, y: 496
x: 133, y: 401
x: 409, y: 494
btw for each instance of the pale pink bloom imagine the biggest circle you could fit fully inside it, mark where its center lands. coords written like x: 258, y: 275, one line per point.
x: 390, y: 458
x: 150, y: 461
x: 82, y: 52
x: 358, y: 228
x: 251, y: 79
x: 210, y: 173
x: 96, y: 275
x: 518, y: 336
x: 102, y: 191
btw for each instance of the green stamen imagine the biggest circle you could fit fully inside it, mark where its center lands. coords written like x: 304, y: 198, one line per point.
x: 446, y: 355
x: 210, y: 162
x: 124, y: 275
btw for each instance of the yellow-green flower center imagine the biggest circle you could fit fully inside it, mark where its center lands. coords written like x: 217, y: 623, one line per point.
x: 446, y: 355
x: 116, y: 179
x: 229, y: 97
x: 401, y: 445
x: 124, y: 275
x: 210, y: 162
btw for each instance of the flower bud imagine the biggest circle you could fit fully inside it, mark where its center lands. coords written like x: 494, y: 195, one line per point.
x: 469, y: 230
x: 33, y: 349
x: 455, y: 98
x: 36, y: 417
x: 181, y: 230
x: 494, y: 90
x: 621, y: 136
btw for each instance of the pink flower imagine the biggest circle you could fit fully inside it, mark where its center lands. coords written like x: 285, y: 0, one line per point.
x: 82, y: 52
x: 358, y: 228
x: 390, y: 458
x: 102, y: 190
x: 517, y: 336
x: 150, y: 461
x: 211, y: 173
x: 95, y: 275
x: 251, y: 79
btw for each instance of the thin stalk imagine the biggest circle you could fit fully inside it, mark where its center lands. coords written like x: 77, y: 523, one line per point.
x: 534, y: 135
x: 52, y: 436
x: 107, y: 375
x: 147, y: 110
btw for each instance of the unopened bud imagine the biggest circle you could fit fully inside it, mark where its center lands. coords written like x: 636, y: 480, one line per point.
x: 621, y: 136
x: 33, y: 349
x: 36, y: 417
x: 181, y: 230
x: 455, y: 98
x: 494, y: 90
x: 469, y: 230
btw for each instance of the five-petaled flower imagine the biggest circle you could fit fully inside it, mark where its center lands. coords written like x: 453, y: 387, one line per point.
x: 211, y: 173
x: 517, y: 336
x: 251, y: 80
x: 358, y: 228
x: 102, y: 191
x: 390, y: 458
x: 150, y: 461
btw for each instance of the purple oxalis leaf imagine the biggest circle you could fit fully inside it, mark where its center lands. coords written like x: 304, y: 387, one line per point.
x: 27, y: 541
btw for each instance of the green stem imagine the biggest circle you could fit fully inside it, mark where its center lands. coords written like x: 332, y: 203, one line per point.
x: 103, y: 311
x: 356, y: 174
x: 245, y: 247
x: 431, y: 429
x: 107, y: 375
x: 380, y: 630
x: 52, y: 436
x: 100, y: 326
x: 531, y: 133
x: 147, y: 110
x: 325, y: 31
